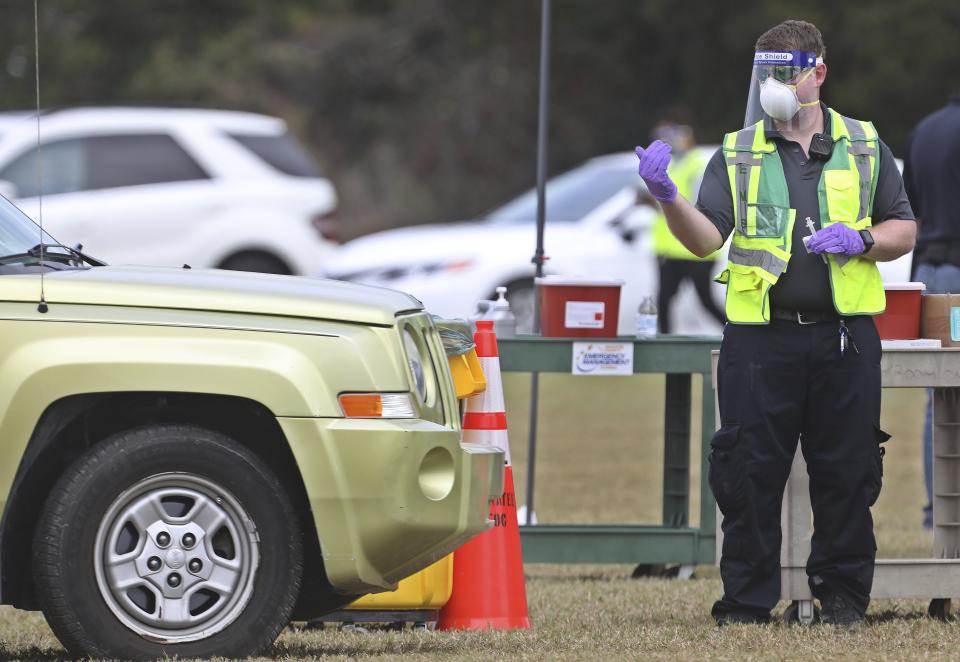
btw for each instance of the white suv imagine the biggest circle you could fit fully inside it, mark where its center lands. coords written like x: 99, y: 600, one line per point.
x: 164, y: 186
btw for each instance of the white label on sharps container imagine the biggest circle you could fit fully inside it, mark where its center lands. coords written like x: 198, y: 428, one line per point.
x: 601, y: 359
x: 584, y: 315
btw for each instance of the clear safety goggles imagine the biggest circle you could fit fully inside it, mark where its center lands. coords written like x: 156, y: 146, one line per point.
x: 786, y: 74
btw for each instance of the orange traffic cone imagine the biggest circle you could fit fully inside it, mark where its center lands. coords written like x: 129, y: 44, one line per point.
x: 488, y: 585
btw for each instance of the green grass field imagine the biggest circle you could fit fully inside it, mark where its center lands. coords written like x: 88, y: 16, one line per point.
x: 599, y: 460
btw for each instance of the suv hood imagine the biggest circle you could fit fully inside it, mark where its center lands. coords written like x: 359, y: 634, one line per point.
x: 215, y: 290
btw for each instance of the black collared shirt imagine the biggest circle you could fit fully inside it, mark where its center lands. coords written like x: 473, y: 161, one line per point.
x: 805, y: 285
x: 931, y: 173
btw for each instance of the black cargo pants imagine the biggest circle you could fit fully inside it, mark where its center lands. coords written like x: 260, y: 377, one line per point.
x: 778, y: 383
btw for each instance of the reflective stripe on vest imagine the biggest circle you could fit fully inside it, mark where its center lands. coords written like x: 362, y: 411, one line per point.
x: 684, y: 172
x: 763, y: 218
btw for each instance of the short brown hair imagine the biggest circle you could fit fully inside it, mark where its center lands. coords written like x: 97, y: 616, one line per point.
x: 793, y: 36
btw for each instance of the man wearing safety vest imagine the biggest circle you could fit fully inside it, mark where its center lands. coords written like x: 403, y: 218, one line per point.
x: 676, y: 263
x: 814, y: 200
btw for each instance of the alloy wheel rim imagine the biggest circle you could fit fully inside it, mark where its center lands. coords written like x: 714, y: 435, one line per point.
x: 176, y: 557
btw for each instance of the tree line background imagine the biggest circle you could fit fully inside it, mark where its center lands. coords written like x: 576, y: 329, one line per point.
x: 425, y: 110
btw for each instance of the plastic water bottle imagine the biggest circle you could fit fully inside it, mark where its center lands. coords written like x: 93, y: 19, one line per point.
x: 504, y: 321
x: 647, y: 318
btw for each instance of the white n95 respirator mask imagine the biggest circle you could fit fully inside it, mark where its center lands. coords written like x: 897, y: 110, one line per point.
x: 779, y: 100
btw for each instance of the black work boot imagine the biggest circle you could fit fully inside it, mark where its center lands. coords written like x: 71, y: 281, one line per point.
x: 835, y: 609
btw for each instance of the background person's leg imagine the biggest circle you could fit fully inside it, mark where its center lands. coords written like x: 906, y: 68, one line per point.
x: 928, y: 460
x: 671, y: 274
x: 927, y: 274
x: 702, y: 275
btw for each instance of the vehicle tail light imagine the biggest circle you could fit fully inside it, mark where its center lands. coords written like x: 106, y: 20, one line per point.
x: 376, y: 405
x: 326, y: 225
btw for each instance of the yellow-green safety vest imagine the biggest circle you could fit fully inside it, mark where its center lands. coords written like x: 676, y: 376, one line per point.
x: 685, y: 172
x: 763, y: 227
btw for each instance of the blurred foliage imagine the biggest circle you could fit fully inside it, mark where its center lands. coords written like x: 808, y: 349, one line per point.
x: 425, y: 110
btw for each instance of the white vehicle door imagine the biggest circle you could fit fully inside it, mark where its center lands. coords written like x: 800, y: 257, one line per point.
x: 128, y: 198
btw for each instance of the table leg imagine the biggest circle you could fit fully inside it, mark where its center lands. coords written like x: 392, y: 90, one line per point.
x: 676, y: 451
x: 708, y: 424
x: 532, y: 446
x: 796, y: 525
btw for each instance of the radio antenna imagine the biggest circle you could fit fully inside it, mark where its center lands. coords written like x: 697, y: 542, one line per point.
x: 42, y: 306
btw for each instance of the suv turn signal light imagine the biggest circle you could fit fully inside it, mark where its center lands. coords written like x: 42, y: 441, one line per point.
x: 376, y: 405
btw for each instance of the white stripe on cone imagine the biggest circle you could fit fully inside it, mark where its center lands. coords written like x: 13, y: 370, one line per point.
x: 489, y: 402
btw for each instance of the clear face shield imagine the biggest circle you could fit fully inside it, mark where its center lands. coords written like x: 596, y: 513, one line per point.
x: 781, y: 87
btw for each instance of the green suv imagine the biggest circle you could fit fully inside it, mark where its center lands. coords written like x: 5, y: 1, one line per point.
x: 189, y: 459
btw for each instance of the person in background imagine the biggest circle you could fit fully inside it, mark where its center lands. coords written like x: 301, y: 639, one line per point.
x: 931, y: 174
x: 676, y: 263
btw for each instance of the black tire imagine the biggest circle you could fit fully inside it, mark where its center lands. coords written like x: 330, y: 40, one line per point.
x: 66, y: 543
x: 257, y: 262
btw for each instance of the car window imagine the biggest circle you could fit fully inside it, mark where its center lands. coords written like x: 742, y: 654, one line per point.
x: 63, y: 169
x: 99, y: 162
x: 570, y: 196
x: 137, y: 159
x: 280, y: 152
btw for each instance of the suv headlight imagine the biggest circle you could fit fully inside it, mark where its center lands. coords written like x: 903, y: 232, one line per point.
x: 417, y: 366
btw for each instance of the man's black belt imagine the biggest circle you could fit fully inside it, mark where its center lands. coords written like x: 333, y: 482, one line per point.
x: 804, y: 318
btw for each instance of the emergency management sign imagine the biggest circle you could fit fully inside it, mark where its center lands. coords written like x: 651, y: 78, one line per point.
x: 601, y: 359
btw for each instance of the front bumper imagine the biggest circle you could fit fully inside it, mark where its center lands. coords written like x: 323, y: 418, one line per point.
x: 390, y: 497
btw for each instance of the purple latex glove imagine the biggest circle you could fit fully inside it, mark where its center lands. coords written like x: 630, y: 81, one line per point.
x: 653, y: 170
x: 839, y: 239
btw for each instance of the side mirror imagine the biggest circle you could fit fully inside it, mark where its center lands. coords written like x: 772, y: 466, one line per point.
x: 8, y: 189
x: 634, y: 222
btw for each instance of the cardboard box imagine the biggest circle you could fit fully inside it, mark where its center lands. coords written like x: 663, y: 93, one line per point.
x: 936, y: 313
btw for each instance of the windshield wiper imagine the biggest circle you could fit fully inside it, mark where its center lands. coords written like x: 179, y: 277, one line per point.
x: 74, y: 256
x: 76, y: 252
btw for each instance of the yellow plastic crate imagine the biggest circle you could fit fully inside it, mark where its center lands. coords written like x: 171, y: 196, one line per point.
x: 428, y: 589
x: 468, y: 377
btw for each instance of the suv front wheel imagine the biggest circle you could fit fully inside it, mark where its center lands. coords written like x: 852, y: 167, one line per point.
x: 166, y: 541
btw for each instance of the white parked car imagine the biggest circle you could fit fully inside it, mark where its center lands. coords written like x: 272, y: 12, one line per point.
x: 163, y: 186
x: 594, y: 227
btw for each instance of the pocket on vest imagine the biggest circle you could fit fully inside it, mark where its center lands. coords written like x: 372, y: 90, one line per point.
x: 858, y: 286
x: 745, y: 303
x: 744, y: 279
x: 843, y: 195
x: 766, y: 220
